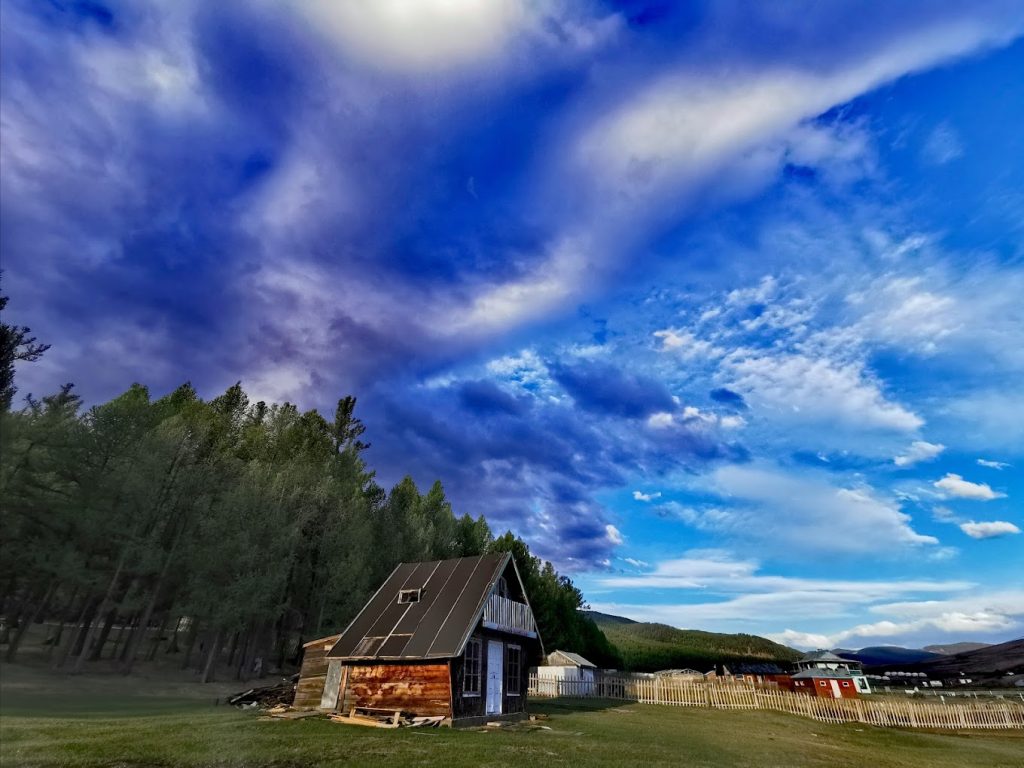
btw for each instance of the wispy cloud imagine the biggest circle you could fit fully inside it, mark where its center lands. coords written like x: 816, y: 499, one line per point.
x: 1000, y: 465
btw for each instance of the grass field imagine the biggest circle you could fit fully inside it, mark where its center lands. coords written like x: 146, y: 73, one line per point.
x: 46, y: 720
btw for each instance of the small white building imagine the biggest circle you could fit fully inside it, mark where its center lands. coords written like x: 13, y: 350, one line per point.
x: 566, y: 674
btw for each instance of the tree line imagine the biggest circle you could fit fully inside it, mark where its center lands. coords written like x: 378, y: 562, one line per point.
x: 225, y: 531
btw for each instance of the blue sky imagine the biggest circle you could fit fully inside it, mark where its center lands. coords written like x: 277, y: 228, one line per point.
x: 716, y: 304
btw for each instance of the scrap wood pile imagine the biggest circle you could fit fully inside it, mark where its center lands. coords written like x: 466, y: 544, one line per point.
x: 389, y: 718
x: 271, y: 697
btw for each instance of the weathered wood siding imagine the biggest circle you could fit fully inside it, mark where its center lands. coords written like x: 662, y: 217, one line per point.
x: 423, y: 689
x: 313, y: 673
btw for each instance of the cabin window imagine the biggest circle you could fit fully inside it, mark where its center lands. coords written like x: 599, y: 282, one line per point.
x: 409, y: 596
x: 822, y: 683
x: 846, y: 684
x: 502, y: 587
x: 471, y: 668
x: 515, y: 666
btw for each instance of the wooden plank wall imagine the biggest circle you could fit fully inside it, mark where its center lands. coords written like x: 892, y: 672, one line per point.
x: 313, y: 673
x: 999, y: 713
x: 423, y: 689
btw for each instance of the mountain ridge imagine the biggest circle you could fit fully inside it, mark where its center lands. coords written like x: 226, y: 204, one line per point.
x: 648, y: 646
x: 950, y: 649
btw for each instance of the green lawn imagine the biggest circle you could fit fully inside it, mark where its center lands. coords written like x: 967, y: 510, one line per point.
x: 127, y: 723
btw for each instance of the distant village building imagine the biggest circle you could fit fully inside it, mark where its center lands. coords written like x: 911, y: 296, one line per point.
x: 827, y: 683
x: 565, y: 666
x: 680, y: 674
x: 830, y: 675
x: 454, y: 638
x: 759, y: 673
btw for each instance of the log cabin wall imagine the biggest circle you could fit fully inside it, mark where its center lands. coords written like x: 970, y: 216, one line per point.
x: 313, y: 673
x: 420, y: 688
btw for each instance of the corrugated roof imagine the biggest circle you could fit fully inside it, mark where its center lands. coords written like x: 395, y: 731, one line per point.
x: 452, y: 594
x: 823, y: 656
x: 572, y: 658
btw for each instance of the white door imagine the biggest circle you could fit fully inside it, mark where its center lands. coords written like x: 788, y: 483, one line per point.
x: 495, y: 676
x: 835, y: 689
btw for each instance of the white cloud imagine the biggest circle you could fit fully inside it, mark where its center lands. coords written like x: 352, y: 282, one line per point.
x: 738, y: 596
x: 685, y: 344
x: 641, y: 496
x: 694, y: 415
x: 970, y: 615
x: 955, y: 485
x: 1000, y: 465
x: 807, y: 513
x: 421, y: 35
x: 635, y: 563
x: 899, y: 310
x: 959, y: 624
x: 524, y: 368
x: 989, y: 530
x: 613, y: 534
x: 919, y: 451
x: 806, y: 640
x: 660, y: 420
x: 732, y: 422
x: 683, y: 127
x: 542, y: 289
x: 817, y: 389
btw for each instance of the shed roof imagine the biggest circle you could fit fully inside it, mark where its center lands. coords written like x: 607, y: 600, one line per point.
x: 436, y: 626
x: 574, y: 659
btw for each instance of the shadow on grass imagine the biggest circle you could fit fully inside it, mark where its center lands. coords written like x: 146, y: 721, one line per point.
x: 566, y: 704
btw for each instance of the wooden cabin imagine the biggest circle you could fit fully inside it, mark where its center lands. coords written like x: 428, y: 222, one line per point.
x: 451, y: 637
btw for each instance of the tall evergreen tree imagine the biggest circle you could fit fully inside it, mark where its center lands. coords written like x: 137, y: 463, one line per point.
x: 17, y: 344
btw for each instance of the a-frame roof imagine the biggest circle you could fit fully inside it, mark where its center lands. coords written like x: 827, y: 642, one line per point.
x: 451, y: 602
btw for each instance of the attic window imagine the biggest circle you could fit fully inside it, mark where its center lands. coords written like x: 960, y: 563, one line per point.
x: 408, y: 596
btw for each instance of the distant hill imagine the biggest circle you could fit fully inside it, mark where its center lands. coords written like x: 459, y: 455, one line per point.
x: 647, y: 647
x: 989, y: 662
x: 952, y: 648
x: 606, y: 618
x: 873, y: 656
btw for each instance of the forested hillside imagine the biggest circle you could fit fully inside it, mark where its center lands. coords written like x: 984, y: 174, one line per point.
x: 649, y: 647
x: 234, y: 528
x: 248, y: 527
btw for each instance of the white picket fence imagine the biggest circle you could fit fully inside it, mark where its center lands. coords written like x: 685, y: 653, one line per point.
x: 731, y: 694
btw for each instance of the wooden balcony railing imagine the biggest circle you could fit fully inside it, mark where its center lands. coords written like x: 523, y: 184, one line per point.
x: 507, y: 615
